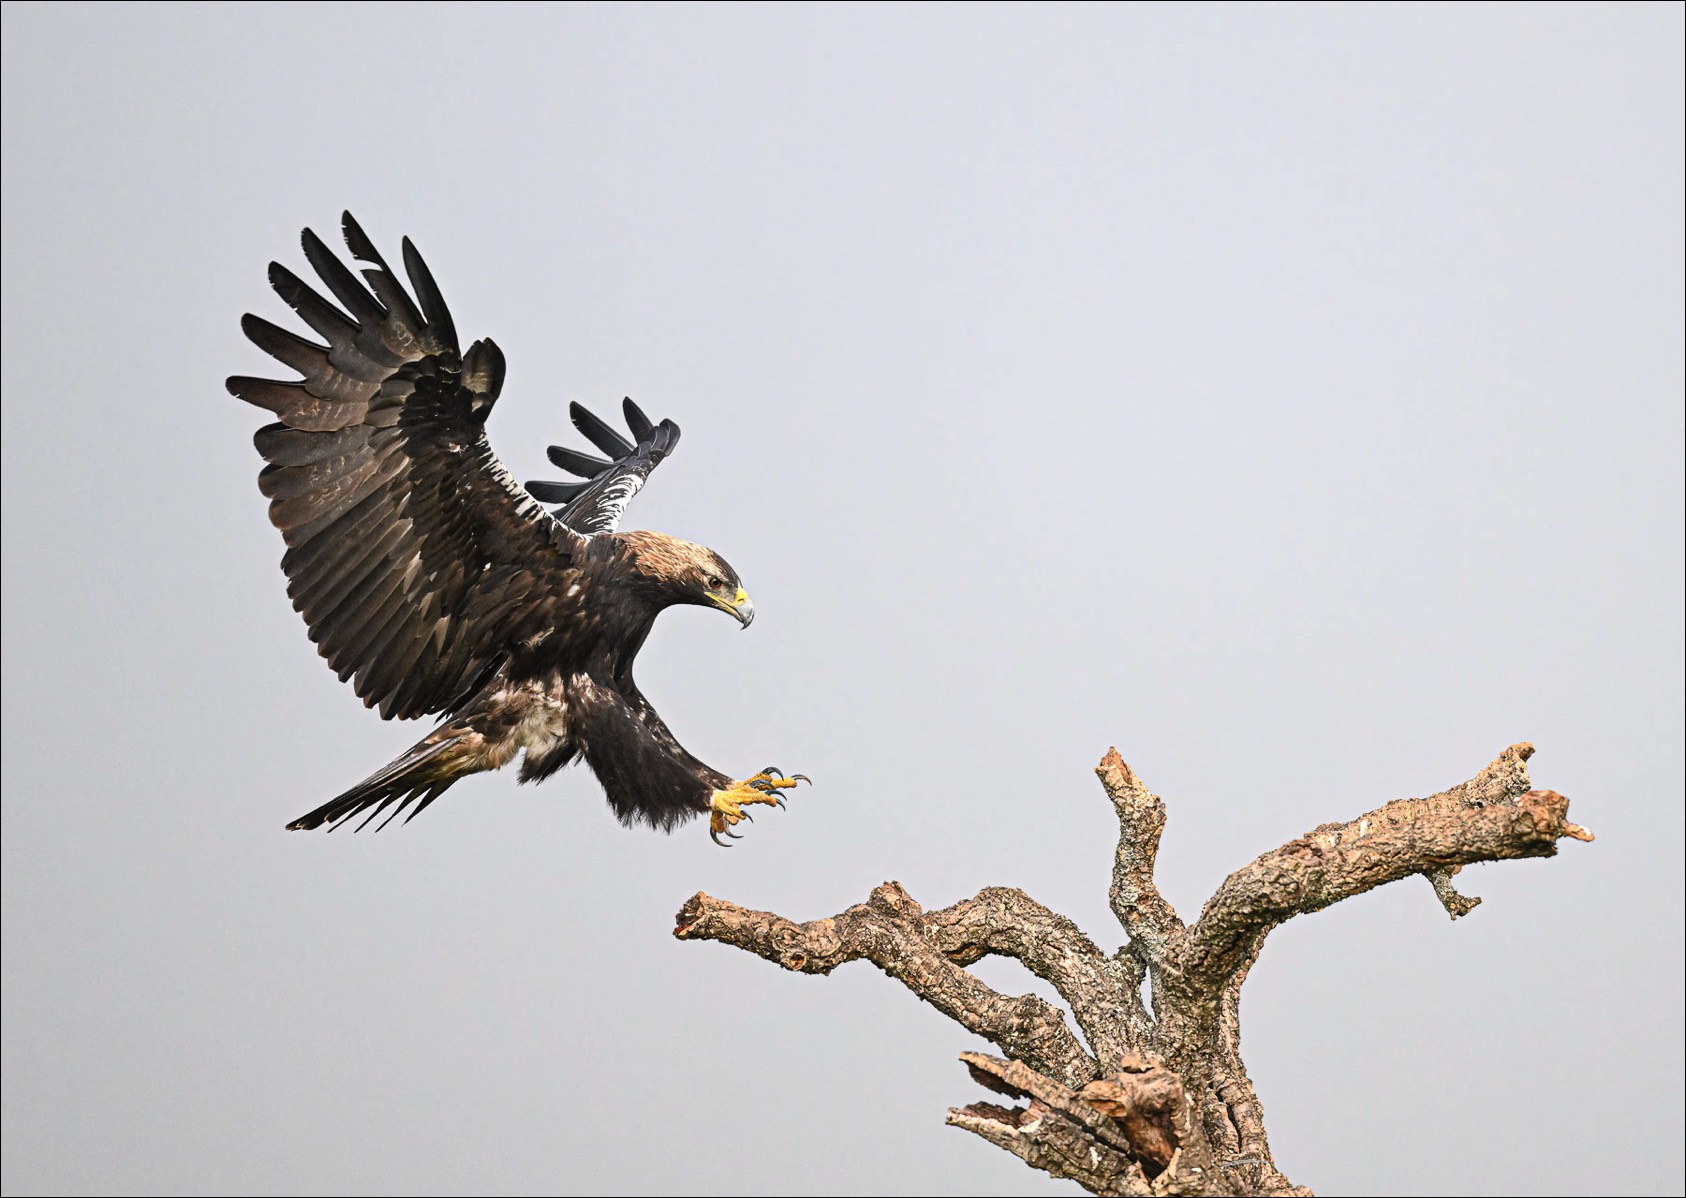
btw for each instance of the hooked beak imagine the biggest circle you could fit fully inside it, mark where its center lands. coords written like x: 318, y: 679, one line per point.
x: 739, y: 606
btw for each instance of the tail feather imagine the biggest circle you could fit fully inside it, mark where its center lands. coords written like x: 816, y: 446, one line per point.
x: 402, y: 803
x: 439, y: 788
x: 403, y: 780
x: 379, y: 807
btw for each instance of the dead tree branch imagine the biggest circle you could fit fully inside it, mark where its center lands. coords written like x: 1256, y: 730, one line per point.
x: 1162, y: 1104
x: 890, y: 930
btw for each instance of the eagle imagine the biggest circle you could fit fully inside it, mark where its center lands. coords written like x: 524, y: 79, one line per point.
x: 437, y: 585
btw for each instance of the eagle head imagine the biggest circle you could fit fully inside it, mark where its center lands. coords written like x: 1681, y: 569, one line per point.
x: 685, y: 572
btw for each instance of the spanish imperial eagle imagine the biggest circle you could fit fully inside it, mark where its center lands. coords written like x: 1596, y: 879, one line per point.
x: 437, y: 585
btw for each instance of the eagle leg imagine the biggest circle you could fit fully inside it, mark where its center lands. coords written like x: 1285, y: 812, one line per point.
x: 726, y: 807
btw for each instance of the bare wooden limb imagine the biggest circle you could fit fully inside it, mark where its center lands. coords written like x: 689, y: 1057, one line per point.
x: 1457, y: 905
x: 1017, y: 1080
x: 1486, y: 819
x: 1003, y: 922
x: 1148, y: 919
x: 889, y: 931
x: 1048, y: 1141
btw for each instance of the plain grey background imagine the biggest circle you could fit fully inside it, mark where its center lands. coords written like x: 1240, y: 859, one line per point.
x: 1291, y: 396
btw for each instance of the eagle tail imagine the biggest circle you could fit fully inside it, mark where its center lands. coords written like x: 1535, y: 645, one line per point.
x: 403, y: 781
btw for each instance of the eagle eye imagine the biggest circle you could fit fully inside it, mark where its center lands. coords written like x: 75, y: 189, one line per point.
x: 714, y: 584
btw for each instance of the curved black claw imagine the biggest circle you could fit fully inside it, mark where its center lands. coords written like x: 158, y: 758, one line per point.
x: 802, y: 778
x: 715, y: 837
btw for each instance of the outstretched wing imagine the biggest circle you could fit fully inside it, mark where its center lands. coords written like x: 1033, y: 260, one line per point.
x: 411, y: 553
x: 596, y: 505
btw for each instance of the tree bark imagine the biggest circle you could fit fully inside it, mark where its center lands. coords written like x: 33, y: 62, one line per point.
x: 1159, y: 1102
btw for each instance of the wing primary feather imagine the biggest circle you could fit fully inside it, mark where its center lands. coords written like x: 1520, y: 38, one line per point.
x: 383, y: 282
x: 391, y: 292
x: 288, y: 348
x: 355, y: 379
x: 297, y: 407
x: 555, y: 492
x: 575, y: 462
x: 317, y: 312
x: 635, y: 419
x: 358, y: 241
x: 598, y: 432
x: 341, y: 281
x: 427, y: 294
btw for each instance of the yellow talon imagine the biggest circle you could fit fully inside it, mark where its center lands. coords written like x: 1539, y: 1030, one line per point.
x: 726, y: 807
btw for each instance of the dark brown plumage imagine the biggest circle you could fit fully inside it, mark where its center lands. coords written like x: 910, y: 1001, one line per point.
x: 436, y: 585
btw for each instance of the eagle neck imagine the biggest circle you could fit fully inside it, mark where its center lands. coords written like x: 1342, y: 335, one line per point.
x: 614, y: 668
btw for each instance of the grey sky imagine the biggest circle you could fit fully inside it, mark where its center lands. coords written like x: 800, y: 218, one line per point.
x: 1290, y: 396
